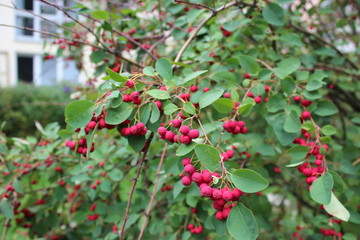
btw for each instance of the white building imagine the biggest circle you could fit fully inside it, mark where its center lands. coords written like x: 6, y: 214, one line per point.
x: 21, y: 51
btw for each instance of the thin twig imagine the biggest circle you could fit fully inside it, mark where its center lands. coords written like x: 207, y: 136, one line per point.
x: 195, y: 4
x: 202, y: 23
x: 6, y: 226
x: 142, y: 160
x: 152, y: 198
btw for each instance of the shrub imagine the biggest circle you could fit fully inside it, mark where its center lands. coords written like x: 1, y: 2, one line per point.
x: 22, y: 105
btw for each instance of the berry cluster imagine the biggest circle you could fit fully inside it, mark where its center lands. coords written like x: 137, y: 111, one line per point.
x: 235, y: 127
x: 137, y: 130
x: 223, y: 199
x: 81, y: 146
x: 330, y: 232
x: 195, y: 230
x: 133, y: 97
x: 186, y: 134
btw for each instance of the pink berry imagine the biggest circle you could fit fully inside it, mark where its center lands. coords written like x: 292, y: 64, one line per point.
x: 227, y: 196
x: 176, y: 123
x: 227, y: 95
x: 297, y: 98
x: 91, y: 124
x: 219, y: 215
x: 161, y: 131
x: 186, y: 161
x: 189, y: 169
x: 206, y: 89
x: 184, y: 130
x: 247, y: 75
x: 130, y: 84
x: 194, y: 133
x: 257, y: 99
x: 306, y: 115
x: 194, y: 88
x: 197, y: 177
x: 186, y: 181
x: 217, y: 194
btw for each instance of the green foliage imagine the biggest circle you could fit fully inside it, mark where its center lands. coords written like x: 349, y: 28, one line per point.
x: 21, y: 106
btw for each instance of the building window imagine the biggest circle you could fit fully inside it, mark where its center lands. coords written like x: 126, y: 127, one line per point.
x: 47, y: 9
x: 25, y: 4
x: 25, y: 69
x: 25, y: 22
x: 48, y: 72
x: 47, y: 27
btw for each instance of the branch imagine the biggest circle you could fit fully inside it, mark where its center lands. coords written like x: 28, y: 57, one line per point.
x: 147, y: 213
x: 126, y: 217
x: 6, y: 226
x: 323, y: 41
x: 62, y: 37
x: 203, y: 22
x: 195, y: 4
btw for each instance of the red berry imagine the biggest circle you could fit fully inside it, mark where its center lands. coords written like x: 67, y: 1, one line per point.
x: 217, y: 194
x: 186, y: 161
x: 186, y: 181
x: 197, y: 177
x: 297, y: 98
x: 219, y: 215
x: 257, y: 99
x: 250, y: 94
x: 189, y: 169
x: 91, y: 124
x: 227, y: 196
x: 176, y: 123
x: 194, y: 88
x: 130, y: 84
x: 227, y: 95
x: 206, y: 89
x: 247, y: 75
x: 306, y: 115
x: 194, y: 133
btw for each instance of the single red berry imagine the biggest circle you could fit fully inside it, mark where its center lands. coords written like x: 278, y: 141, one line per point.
x: 306, y: 115
x: 194, y: 133
x: 130, y: 84
x: 189, y: 169
x: 186, y: 181
x: 227, y: 196
x: 247, y: 75
x: 297, y: 98
x: 227, y: 95
x: 257, y: 99
x: 186, y: 161
x: 250, y: 94
x: 194, y: 88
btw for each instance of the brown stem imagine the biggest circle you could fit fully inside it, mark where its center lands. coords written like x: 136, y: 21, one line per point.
x: 195, y: 4
x: 6, y: 226
x: 152, y: 198
x: 203, y: 22
x: 142, y: 160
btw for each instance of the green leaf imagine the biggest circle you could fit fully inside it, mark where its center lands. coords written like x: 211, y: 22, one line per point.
x: 103, y: 15
x: 328, y: 130
x: 105, y: 186
x: 286, y: 67
x: 246, y: 107
x: 170, y: 108
x: 336, y: 209
x: 118, y: 115
x: 223, y: 105
x: 193, y: 75
x: 249, y: 64
x: 115, y: 174
x: 178, y: 187
x: 155, y: 113
x: 314, y: 85
x: 185, y: 149
x: 18, y: 186
x: 208, y: 156
x: 248, y: 180
x: 297, y: 153
x: 241, y: 223
x: 159, y: 94
x: 320, y: 190
x: 79, y: 113
x: 275, y: 103
x: 97, y: 56
x: 189, y: 108
x: 6, y: 208
x: 224, y: 76
x: 258, y: 90
x: 265, y: 74
x: 115, y: 76
x: 163, y: 67
x: 292, y: 123
x: 274, y: 14
x: 136, y: 142
x: 284, y: 137
x: 209, y: 97
x: 150, y: 71
x: 325, y: 108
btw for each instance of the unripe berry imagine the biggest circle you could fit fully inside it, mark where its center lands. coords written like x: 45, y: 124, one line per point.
x: 194, y: 133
